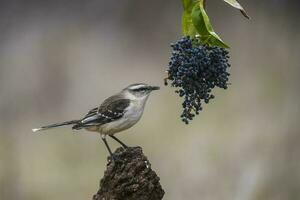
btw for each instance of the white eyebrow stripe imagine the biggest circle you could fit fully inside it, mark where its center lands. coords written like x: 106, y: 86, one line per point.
x: 137, y: 86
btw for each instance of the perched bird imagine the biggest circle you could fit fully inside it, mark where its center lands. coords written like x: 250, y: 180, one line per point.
x: 117, y: 113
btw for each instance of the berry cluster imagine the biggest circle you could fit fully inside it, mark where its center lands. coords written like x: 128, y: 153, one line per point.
x: 195, y: 70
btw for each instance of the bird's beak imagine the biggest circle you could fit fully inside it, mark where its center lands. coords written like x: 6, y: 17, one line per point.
x: 154, y: 87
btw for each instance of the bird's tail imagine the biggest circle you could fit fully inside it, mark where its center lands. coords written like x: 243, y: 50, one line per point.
x: 55, y: 125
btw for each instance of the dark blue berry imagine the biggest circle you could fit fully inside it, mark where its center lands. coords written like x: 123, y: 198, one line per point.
x: 196, y: 69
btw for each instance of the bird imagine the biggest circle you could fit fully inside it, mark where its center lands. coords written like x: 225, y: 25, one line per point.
x: 117, y: 113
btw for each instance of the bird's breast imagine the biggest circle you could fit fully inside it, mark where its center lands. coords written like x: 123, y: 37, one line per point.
x: 131, y: 116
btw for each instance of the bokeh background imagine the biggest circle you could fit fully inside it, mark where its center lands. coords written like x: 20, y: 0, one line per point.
x: 59, y: 58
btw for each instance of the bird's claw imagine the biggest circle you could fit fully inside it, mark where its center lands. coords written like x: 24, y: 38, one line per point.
x: 114, y: 159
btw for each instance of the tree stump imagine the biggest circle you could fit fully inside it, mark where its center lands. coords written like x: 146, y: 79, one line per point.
x: 130, y: 177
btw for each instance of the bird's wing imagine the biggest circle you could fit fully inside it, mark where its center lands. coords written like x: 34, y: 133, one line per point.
x: 91, y: 112
x: 110, y: 110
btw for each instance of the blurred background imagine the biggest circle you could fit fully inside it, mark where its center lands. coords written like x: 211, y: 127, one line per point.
x: 59, y: 58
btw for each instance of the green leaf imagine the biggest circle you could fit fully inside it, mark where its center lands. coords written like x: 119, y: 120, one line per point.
x: 188, y: 28
x: 236, y: 4
x: 198, y: 21
x: 188, y: 5
x: 204, y: 28
x: 187, y: 23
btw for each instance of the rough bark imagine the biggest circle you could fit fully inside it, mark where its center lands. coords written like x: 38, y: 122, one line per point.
x: 130, y: 177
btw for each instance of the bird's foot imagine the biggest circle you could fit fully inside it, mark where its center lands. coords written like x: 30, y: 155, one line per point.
x: 125, y: 146
x: 114, y: 159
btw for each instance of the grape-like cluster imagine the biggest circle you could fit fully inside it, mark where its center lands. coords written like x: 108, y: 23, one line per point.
x: 195, y: 70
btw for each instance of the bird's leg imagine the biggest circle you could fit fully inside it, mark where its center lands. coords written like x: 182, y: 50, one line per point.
x: 115, y: 138
x: 108, y: 148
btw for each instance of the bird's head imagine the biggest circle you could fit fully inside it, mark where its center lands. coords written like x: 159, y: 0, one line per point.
x: 139, y: 90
